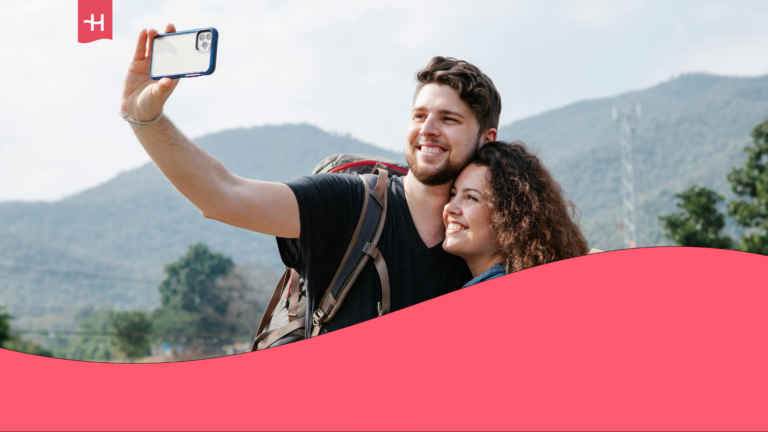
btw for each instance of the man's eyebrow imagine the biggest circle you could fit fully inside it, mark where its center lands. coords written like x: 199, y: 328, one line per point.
x: 444, y: 111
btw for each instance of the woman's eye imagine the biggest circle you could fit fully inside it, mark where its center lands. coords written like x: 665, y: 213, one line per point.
x: 473, y: 198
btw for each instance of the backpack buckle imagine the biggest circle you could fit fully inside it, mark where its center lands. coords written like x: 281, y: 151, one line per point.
x: 378, y: 306
x: 317, y: 317
x: 370, y: 249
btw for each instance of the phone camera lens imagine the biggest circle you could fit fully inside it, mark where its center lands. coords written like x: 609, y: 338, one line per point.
x: 208, y: 36
x: 205, y: 45
x: 202, y: 37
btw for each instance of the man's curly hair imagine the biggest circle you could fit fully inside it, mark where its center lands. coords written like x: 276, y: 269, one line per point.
x: 531, y: 218
x: 473, y: 86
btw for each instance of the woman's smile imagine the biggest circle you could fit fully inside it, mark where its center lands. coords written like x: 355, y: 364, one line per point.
x: 467, y: 218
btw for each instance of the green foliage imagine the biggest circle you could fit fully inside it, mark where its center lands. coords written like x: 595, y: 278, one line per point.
x: 189, y: 284
x: 751, y: 183
x: 197, y: 299
x: 172, y: 324
x: 93, y: 342
x: 132, y: 333
x: 700, y: 224
x: 11, y: 341
x: 5, y: 324
x: 25, y: 346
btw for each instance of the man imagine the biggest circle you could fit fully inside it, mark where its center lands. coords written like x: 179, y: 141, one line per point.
x: 455, y: 110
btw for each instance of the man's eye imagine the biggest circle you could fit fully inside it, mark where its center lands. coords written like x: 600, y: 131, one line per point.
x: 450, y: 119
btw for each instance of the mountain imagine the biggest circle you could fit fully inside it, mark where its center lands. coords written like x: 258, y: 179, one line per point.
x: 130, y: 226
x: 692, y: 131
x: 54, y: 255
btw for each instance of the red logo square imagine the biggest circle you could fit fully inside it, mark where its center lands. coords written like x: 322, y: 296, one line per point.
x: 94, y: 20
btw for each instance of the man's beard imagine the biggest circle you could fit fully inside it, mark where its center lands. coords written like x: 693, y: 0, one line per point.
x: 436, y: 177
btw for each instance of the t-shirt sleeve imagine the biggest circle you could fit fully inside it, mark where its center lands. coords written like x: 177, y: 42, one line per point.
x: 329, y: 208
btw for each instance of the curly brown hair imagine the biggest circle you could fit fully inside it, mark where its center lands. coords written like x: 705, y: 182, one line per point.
x: 531, y: 218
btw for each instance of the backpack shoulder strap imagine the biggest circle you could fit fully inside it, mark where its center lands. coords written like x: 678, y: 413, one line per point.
x: 362, y: 247
x: 289, y: 278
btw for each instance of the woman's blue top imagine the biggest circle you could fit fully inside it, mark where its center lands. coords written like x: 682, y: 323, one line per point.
x: 491, y: 273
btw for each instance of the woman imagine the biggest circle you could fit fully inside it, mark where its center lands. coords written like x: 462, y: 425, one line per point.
x: 507, y: 213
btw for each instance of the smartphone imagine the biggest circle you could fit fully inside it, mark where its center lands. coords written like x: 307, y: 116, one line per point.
x: 184, y: 54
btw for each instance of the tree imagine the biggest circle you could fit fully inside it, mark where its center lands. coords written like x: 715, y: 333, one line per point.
x: 5, y: 325
x: 751, y: 182
x: 700, y: 224
x: 192, y: 302
x: 11, y: 341
x: 93, y: 342
x: 189, y: 284
x: 23, y: 345
x: 132, y: 333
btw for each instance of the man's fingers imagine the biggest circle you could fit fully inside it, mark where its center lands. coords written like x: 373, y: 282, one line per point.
x: 141, y: 46
x: 164, y: 88
x: 151, y: 33
x: 144, y: 44
x: 167, y: 83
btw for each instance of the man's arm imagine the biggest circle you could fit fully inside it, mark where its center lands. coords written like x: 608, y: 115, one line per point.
x: 264, y: 207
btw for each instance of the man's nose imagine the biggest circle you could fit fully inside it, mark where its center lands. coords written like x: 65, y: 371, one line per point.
x: 430, y: 127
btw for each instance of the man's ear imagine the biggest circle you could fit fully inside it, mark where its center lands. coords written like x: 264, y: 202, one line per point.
x: 489, y: 136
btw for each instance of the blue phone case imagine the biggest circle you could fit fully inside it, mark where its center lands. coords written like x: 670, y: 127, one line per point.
x: 211, y: 63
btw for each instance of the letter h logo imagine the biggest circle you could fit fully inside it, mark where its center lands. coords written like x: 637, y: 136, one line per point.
x: 88, y: 29
x: 92, y: 22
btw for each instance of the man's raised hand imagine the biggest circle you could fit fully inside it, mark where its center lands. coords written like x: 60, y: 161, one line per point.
x: 143, y: 98
x: 265, y: 207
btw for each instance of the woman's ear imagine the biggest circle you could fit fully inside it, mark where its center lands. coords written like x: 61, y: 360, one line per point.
x: 489, y: 136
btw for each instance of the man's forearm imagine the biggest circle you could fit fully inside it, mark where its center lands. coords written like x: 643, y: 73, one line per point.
x: 196, y: 174
x: 265, y: 207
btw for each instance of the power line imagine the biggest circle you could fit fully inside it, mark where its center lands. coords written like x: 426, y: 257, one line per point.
x: 96, y: 333
x: 74, y: 274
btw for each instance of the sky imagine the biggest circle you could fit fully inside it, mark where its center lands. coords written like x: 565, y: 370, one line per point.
x: 346, y: 66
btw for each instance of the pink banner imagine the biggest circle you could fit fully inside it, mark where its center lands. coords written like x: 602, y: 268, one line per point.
x: 657, y: 338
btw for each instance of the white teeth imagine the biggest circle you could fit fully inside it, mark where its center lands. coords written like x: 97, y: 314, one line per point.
x: 455, y: 227
x: 431, y: 149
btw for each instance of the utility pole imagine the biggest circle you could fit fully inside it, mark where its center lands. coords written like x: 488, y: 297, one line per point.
x: 627, y: 116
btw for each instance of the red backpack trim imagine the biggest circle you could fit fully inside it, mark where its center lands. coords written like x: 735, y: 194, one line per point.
x: 368, y: 162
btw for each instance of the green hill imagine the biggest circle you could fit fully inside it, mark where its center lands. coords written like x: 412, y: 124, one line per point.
x: 132, y: 225
x: 692, y: 131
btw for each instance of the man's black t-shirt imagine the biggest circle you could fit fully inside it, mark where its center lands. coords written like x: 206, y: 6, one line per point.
x: 329, y: 207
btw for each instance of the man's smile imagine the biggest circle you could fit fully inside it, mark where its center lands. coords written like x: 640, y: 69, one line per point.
x: 430, y: 149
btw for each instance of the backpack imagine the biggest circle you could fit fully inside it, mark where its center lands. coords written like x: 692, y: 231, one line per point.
x: 287, y: 317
